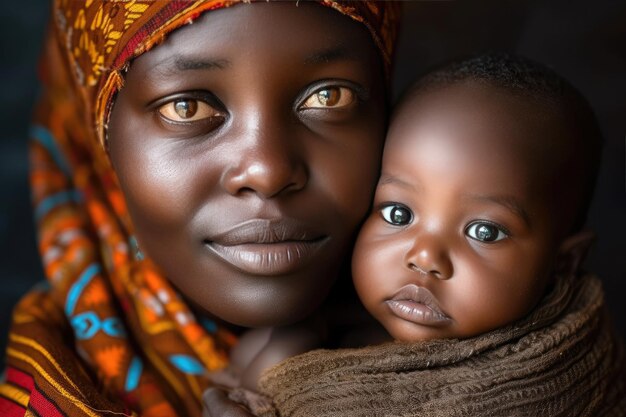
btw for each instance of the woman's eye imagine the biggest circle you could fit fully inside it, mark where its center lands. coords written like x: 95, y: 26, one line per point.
x: 187, y: 110
x: 396, y: 214
x: 330, y: 98
x: 485, y: 232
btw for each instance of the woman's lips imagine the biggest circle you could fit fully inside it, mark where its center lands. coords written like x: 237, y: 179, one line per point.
x: 267, y: 247
x: 417, y: 305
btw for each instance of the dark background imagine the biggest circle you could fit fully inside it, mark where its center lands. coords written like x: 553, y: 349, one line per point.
x: 582, y: 40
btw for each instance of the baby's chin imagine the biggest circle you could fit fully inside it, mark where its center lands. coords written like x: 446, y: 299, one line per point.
x: 403, y: 331
x: 409, y: 332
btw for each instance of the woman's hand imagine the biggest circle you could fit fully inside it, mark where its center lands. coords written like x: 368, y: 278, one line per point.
x: 217, y: 404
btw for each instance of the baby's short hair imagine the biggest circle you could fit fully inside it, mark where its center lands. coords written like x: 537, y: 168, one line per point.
x: 529, y: 79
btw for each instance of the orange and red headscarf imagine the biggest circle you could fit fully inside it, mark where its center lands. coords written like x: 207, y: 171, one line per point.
x: 107, y: 334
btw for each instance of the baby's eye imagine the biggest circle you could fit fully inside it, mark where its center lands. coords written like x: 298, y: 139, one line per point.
x: 330, y: 98
x: 187, y: 110
x: 396, y: 214
x: 485, y: 232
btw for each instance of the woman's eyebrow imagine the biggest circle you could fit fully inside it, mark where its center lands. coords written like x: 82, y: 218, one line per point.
x: 178, y: 63
x: 333, y: 53
x: 184, y: 63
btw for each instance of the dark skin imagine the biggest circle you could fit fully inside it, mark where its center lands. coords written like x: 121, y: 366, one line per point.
x: 471, y: 215
x: 247, y: 167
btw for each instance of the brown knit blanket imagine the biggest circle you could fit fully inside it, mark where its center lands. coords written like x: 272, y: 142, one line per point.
x: 561, y: 360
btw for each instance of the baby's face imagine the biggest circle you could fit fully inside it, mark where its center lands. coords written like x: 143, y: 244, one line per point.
x: 247, y: 146
x: 461, y: 239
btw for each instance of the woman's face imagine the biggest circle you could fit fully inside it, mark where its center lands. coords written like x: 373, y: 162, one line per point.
x: 247, y: 146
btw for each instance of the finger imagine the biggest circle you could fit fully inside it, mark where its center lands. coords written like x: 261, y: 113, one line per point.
x: 217, y: 404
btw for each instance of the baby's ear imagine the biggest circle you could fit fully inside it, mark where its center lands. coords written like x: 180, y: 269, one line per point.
x: 573, y: 251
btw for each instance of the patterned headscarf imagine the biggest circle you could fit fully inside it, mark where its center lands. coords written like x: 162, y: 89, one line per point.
x: 107, y: 334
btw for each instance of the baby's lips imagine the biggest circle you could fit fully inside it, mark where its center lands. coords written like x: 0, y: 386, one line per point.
x: 419, y: 295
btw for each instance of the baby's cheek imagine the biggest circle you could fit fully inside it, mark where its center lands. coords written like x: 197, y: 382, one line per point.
x: 484, y: 299
x: 371, y: 265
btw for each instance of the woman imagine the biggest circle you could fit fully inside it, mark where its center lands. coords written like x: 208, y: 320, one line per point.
x: 241, y: 168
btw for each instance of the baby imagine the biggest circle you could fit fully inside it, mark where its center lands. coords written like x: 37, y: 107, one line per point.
x: 487, y: 174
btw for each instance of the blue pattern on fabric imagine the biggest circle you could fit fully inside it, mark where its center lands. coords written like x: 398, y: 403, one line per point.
x: 87, y: 324
x: 56, y: 200
x: 209, y: 325
x: 137, y: 253
x: 134, y: 374
x: 45, y: 138
x: 79, y: 286
x: 187, y: 364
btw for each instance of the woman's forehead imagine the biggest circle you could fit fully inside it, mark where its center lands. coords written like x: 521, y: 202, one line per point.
x: 308, y: 36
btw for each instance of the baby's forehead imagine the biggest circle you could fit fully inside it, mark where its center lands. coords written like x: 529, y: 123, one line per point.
x: 485, y: 114
x: 482, y: 128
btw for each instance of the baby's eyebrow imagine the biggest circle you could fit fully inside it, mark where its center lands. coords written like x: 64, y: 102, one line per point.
x: 508, y: 202
x: 391, y: 179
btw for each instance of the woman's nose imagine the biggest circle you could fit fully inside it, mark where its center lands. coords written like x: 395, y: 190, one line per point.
x: 429, y: 256
x: 269, y: 164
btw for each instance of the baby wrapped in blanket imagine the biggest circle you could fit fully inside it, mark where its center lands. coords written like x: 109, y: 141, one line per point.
x: 471, y: 261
